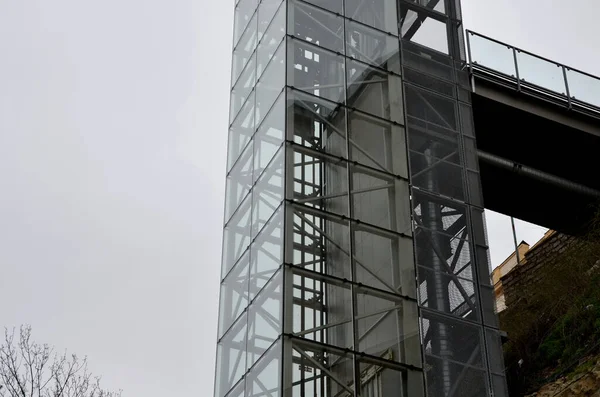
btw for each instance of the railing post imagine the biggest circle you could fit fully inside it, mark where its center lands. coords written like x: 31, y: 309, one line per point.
x: 469, y: 52
x: 564, y: 69
x: 516, y: 68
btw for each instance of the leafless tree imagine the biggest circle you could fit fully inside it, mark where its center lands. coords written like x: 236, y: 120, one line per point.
x: 28, y: 369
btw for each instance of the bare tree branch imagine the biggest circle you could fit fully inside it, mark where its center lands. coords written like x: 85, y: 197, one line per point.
x: 27, y: 370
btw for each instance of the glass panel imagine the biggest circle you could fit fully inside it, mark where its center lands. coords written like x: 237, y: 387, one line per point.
x: 271, y: 40
x: 380, y: 14
x: 239, y: 182
x: 321, y: 243
x: 380, y: 379
x: 231, y: 357
x: 234, y: 294
x: 243, y: 52
x: 583, y: 87
x: 315, y: 70
x: 388, y: 327
x: 266, y: 11
x: 374, y: 91
x: 372, y: 46
x: 447, y: 339
x: 316, y: 123
x: 380, y: 199
x: 490, y: 54
x: 269, y: 137
x: 541, y: 72
x: 240, y: 132
x: 270, y: 84
x: 430, y: 107
x: 243, y: 88
x: 268, y: 193
x: 322, y: 312
x: 336, y: 6
x: 264, y: 379
x: 377, y: 143
x: 428, y: 32
x: 264, y: 319
x: 243, y: 13
x: 236, y: 236
x: 317, y: 26
x: 432, y: 142
x: 266, y: 253
x: 384, y: 261
x: 315, y: 363
x: 238, y: 390
x: 321, y: 181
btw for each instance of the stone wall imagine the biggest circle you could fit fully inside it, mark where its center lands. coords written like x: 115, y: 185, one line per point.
x: 521, y: 281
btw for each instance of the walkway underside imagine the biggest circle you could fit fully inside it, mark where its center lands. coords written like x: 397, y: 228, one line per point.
x: 551, y: 143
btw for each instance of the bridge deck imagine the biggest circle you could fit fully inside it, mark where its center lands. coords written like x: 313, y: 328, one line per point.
x: 535, y: 112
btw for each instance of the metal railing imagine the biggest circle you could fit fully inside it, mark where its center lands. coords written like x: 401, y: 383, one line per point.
x: 533, y: 74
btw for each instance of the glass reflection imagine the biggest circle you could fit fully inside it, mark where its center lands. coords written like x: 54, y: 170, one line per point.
x: 271, y: 40
x: 270, y: 84
x: 380, y: 14
x: 243, y: 52
x: 315, y: 70
x: 236, y: 236
x: 266, y: 11
x: 243, y: 13
x: 266, y: 253
x: 240, y: 132
x: 377, y: 143
x: 239, y: 182
x: 268, y: 193
x: 269, y: 137
x: 372, y: 46
x: 375, y: 91
x: 243, y: 88
x: 264, y: 379
x: 234, y: 294
x: 265, y: 319
x: 316, y: 26
x: 231, y: 357
x: 316, y: 123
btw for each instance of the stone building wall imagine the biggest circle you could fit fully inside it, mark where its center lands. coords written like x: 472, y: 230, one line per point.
x: 518, y: 283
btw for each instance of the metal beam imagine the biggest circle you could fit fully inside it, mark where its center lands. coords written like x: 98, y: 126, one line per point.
x: 533, y: 173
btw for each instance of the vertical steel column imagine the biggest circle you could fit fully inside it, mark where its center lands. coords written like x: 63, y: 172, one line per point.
x: 437, y: 289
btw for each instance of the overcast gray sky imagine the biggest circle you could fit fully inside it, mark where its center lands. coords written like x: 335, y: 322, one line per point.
x: 113, y: 126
